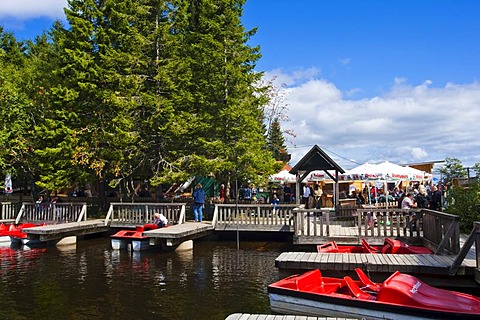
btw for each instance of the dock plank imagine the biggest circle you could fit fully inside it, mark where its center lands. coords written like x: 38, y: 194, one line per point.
x: 179, y: 230
x: 248, y: 316
x: 406, y: 263
x: 61, y: 230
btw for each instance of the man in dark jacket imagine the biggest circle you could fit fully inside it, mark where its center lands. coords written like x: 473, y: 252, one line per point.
x: 199, y: 202
x: 436, y: 199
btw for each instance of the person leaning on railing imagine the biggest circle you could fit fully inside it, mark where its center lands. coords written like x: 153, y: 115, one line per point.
x: 407, y: 204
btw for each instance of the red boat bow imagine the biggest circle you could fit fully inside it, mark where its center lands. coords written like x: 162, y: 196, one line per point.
x: 401, y: 294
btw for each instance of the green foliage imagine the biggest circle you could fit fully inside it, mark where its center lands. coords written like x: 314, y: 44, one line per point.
x: 15, y: 104
x: 276, y: 142
x: 453, y: 168
x: 465, y: 202
x: 135, y: 89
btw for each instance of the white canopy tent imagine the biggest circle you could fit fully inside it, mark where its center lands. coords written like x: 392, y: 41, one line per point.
x: 385, y: 171
x: 283, y: 177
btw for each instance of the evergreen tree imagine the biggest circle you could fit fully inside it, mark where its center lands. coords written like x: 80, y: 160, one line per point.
x: 137, y: 89
x: 276, y: 142
x: 220, y: 106
x: 90, y: 132
x: 15, y: 120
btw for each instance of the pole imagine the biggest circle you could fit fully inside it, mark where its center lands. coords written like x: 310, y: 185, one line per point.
x: 236, y: 211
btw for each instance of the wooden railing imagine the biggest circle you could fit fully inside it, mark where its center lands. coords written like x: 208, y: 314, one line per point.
x: 388, y: 222
x: 253, y: 215
x: 312, y: 222
x: 52, y: 213
x: 134, y: 214
x: 437, y: 230
x: 441, y: 231
x: 474, y: 237
x: 9, y: 211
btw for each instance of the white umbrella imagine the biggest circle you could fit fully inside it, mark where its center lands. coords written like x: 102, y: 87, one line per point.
x: 386, y: 171
x: 283, y: 177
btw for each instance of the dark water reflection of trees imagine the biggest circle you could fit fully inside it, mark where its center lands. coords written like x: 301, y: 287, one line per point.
x: 91, y: 281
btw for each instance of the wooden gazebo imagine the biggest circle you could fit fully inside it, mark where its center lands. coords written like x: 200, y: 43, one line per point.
x: 317, y: 159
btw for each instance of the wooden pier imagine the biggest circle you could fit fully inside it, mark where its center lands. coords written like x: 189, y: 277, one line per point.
x: 248, y: 316
x: 408, y: 263
x: 54, y: 232
x: 176, y: 234
x: 436, y: 230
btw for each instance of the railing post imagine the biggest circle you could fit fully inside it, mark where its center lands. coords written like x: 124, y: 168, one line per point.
x: 328, y: 222
x: 83, y: 213
x: 182, y: 217
x: 20, y: 214
x: 215, y: 216
x: 474, y: 237
x: 109, y: 214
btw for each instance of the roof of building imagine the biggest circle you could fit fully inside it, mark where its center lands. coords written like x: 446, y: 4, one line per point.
x: 316, y: 159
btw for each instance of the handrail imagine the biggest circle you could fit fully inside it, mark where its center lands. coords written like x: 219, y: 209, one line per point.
x: 474, y: 237
x: 109, y: 215
x: 20, y: 214
x: 52, y: 212
x: 373, y: 221
x: 141, y: 213
x: 8, y: 210
x: 441, y: 231
x: 254, y: 214
x: 182, y: 217
x: 310, y: 222
x: 215, y: 217
x: 83, y: 214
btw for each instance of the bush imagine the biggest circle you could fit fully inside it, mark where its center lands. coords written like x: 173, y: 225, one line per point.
x: 464, y: 201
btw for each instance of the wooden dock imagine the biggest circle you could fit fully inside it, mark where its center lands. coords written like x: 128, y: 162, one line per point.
x: 437, y: 230
x: 54, y: 232
x: 176, y: 234
x: 388, y: 263
x: 247, y: 316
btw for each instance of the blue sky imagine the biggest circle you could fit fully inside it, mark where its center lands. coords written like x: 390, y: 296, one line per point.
x: 365, y: 80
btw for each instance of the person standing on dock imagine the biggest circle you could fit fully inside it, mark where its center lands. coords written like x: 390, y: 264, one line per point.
x: 199, y: 202
x: 307, y: 193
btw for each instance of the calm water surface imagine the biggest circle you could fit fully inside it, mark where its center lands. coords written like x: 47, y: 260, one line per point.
x: 91, y: 281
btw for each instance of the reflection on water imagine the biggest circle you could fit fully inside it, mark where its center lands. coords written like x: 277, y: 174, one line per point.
x: 92, y: 281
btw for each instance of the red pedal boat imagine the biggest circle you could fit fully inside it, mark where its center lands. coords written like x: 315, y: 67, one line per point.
x: 401, y: 296
x: 14, y: 233
x: 122, y: 238
x: 390, y: 246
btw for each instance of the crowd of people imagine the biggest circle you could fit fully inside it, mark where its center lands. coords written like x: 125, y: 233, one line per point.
x: 415, y: 195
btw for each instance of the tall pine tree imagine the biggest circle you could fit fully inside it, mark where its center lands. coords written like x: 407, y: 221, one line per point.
x: 221, y: 106
x: 276, y: 142
x: 90, y: 132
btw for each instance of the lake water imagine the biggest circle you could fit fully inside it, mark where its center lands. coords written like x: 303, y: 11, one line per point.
x: 92, y: 281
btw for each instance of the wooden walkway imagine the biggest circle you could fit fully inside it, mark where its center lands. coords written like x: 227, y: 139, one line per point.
x: 247, y: 316
x: 389, y: 263
x: 176, y: 234
x: 58, y: 231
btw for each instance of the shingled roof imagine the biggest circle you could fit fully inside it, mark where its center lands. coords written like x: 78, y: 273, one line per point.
x: 316, y: 159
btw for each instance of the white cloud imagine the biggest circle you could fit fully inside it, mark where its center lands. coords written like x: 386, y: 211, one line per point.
x: 410, y: 123
x: 419, y: 153
x: 296, y: 77
x: 27, y: 9
x: 345, y: 61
